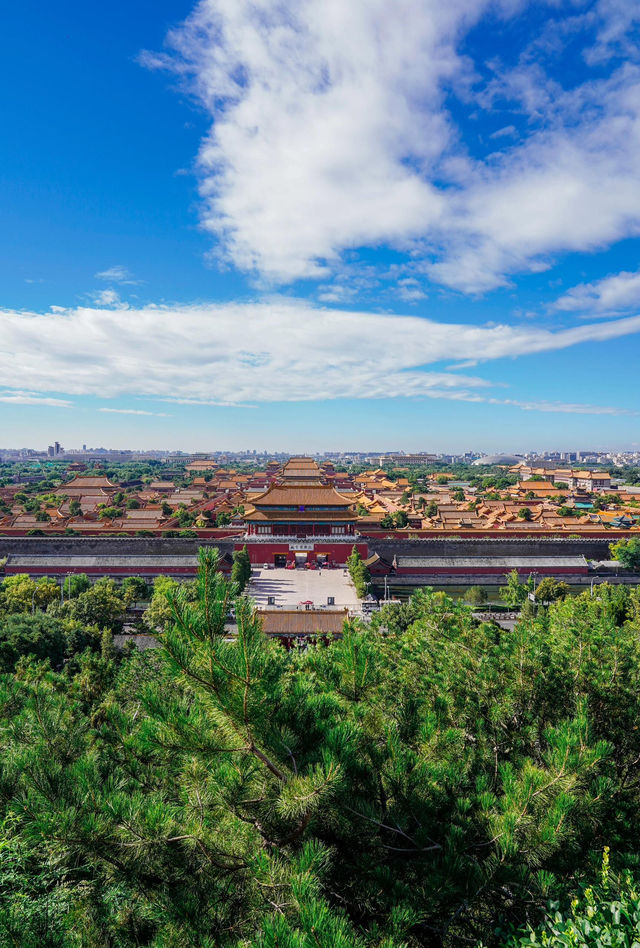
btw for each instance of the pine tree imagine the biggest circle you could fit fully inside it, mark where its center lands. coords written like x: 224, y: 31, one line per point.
x: 241, y: 569
x: 429, y: 784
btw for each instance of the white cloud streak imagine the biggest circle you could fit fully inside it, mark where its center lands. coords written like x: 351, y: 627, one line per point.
x: 134, y: 411
x: 331, y: 131
x: 283, y: 350
x: 615, y: 294
x: 117, y: 274
x: 16, y: 397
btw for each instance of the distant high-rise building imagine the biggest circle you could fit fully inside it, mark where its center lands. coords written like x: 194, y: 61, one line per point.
x: 51, y: 451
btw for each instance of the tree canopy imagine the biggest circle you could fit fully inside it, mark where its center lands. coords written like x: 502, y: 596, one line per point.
x: 433, y: 782
x: 627, y: 552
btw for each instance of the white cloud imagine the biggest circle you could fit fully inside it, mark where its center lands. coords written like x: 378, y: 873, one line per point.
x: 134, y: 411
x: 117, y: 274
x: 508, y: 131
x: 616, y: 31
x: 336, y: 293
x: 17, y: 397
x: 283, y: 350
x: 331, y: 132
x: 106, y: 298
x: 410, y: 290
x: 612, y: 295
x: 571, y: 186
x: 330, y: 125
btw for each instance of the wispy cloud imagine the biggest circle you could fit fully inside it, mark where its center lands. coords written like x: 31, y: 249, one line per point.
x: 106, y: 298
x: 330, y: 131
x: 281, y: 350
x: 135, y: 411
x: 410, y: 290
x: 117, y: 274
x: 17, y: 397
x: 508, y: 131
x: 615, y: 294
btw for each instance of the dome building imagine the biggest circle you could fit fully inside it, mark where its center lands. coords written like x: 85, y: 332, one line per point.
x: 508, y: 459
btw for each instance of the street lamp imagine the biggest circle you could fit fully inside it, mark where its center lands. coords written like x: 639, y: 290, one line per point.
x: 62, y: 588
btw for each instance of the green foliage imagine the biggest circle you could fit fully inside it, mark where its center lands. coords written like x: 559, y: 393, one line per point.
x: 359, y: 573
x: 75, y: 584
x: 550, y: 589
x: 134, y: 589
x: 185, y: 519
x: 427, y: 780
x: 42, y: 636
x: 20, y: 593
x: 241, y: 569
x: 627, y: 552
x: 160, y: 611
x: 39, y: 635
x: 476, y: 595
x: 102, y: 605
x: 515, y: 592
x: 607, y: 913
x: 525, y: 513
x: 110, y: 513
x: 564, y: 511
x: 400, y: 518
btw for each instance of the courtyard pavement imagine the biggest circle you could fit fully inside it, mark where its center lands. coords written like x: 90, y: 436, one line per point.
x: 293, y: 586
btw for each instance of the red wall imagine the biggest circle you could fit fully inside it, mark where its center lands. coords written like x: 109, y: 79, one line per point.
x: 260, y: 553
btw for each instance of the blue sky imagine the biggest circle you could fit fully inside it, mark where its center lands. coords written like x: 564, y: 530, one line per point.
x: 321, y: 225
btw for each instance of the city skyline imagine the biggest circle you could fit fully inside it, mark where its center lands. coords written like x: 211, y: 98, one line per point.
x: 58, y: 452
x: 305, y: 225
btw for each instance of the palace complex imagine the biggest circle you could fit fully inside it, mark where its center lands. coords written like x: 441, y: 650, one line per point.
x: 299, y: 522
x: 305, y: 514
